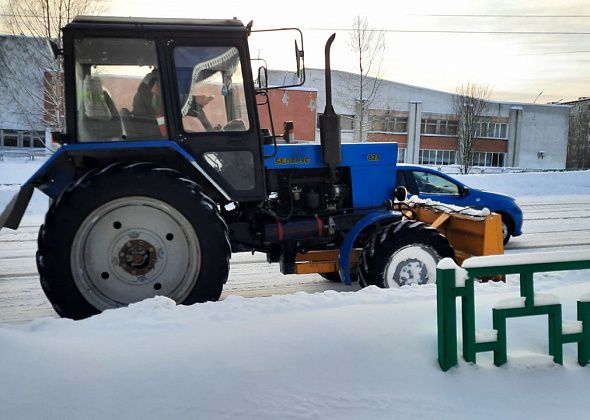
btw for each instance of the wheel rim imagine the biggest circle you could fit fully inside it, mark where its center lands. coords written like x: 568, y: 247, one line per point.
x: 412, y: 264
x: 135, y: 248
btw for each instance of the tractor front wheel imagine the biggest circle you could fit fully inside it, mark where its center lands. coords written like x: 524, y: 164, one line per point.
x: 403, y: 253
x: 127, y: 233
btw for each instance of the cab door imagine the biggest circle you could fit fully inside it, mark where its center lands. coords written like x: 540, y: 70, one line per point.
x: 214, y: 116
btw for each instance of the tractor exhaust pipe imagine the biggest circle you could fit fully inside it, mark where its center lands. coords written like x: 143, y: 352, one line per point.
x: 329, y: 121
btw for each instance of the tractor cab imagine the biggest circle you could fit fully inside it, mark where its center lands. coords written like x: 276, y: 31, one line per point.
x: 185, y: 81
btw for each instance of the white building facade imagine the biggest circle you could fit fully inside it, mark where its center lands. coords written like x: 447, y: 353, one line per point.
x: 421, y: 120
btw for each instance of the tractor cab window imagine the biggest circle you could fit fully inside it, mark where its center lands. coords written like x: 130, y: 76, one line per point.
x: 429, y: 183
x: 211, y: 89
x: 117, y: 90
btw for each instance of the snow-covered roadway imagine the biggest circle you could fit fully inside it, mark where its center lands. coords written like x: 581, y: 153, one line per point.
x: 551, y: 222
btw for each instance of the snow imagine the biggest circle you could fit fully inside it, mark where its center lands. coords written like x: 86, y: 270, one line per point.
x: 486, y: 336
x: 571, y: 327
x: 447, y: 208
x: 370, y: 354
x: 545, y: 299
x: 528, y: 258
x: 510, y: 303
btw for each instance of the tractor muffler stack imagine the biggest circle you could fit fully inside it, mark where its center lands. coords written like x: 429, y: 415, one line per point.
x: 329, y: 121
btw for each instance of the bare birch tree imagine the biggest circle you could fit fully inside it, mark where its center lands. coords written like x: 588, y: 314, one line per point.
x: 30, y: 73
x: 469, y: 105
x: 368, y: 45
x: 578, y: 148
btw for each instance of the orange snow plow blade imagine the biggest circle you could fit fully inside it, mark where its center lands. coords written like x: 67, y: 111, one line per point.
x: 469, y: 235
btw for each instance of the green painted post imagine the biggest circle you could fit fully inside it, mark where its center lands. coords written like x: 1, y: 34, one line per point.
x: 468, y: 315
x: 499, y: 324
x: 527, y: 289
x: 584, y: 343
x: 446, y: 318
x: 555, y: 333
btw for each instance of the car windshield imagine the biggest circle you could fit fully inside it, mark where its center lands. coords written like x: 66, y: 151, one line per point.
x: 429, y: 183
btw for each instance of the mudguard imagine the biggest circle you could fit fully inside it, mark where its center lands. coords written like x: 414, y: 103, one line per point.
x: 58, y: 172
x: 347, y: 244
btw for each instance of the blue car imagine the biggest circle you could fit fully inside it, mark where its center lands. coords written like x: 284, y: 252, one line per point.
x: 429, y: 183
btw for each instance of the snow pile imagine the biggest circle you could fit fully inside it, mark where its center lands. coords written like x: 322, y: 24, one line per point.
x: 369, y: 354
x: 527, y: 258
x: 446, y: 208
x: 365, y: 355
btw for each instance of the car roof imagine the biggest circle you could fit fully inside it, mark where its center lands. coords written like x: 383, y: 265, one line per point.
x: 420, y: 167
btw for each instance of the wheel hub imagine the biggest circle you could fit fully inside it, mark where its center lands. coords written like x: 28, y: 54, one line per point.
x: 411, y: 271
x: 413, y: 264
x: 137, y: 257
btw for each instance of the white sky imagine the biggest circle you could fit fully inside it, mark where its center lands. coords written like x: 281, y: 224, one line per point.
x: 517, y: 67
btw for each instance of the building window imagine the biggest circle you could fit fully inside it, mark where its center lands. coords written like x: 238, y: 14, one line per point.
x: 10, y: 138
x: 490, y: 159
x: 378, y: 124
x: 397, y: 125
x: 401, y: 155
x: 492, y: 130
x: 346, y: 122
x: 387, y: 121
x: 38, y: 139
x: 436, y: 157
x: 440, y: 127
x: 22, y: 139
x: 429, y: 127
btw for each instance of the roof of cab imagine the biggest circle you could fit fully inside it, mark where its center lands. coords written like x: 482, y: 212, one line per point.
x: 81, y: 22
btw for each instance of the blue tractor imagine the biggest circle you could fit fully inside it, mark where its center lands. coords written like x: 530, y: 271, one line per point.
x: 164, y: 171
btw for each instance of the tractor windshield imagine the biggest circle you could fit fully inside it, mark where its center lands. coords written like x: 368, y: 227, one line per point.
x: 211, y: 89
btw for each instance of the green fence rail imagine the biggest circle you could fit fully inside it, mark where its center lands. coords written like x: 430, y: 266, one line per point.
x: 454, y: 282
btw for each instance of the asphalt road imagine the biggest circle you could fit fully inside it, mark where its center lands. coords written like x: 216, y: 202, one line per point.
x: 550, y: 223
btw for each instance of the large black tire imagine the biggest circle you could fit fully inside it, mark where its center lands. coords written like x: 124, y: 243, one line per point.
x: 402, y: 253
x: 130, y: 232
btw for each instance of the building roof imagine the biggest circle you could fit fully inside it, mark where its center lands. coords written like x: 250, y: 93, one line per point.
x: 393, y: 95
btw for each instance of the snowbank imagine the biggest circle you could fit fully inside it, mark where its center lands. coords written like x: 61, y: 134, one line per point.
x: 365, y: 355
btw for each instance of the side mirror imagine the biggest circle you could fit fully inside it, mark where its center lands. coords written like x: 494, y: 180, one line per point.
x: 262, y: 75
x: 272, y: 42
x: 464, y: 191
x: 400, y: 193
x: 299, y: 57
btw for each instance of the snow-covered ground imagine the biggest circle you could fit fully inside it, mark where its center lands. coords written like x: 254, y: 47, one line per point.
x: 369, y: 354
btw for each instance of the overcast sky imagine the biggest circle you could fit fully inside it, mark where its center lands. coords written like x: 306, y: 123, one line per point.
x: 517, y: 66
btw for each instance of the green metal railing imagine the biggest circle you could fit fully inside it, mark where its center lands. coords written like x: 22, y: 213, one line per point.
x: 453, y: 282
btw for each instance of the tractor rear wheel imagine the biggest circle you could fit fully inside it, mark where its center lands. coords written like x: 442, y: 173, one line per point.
x: 127, y: 233
x: 403, y: 253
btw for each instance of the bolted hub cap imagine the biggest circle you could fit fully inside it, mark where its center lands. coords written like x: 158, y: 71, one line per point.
x: 137, y: 257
